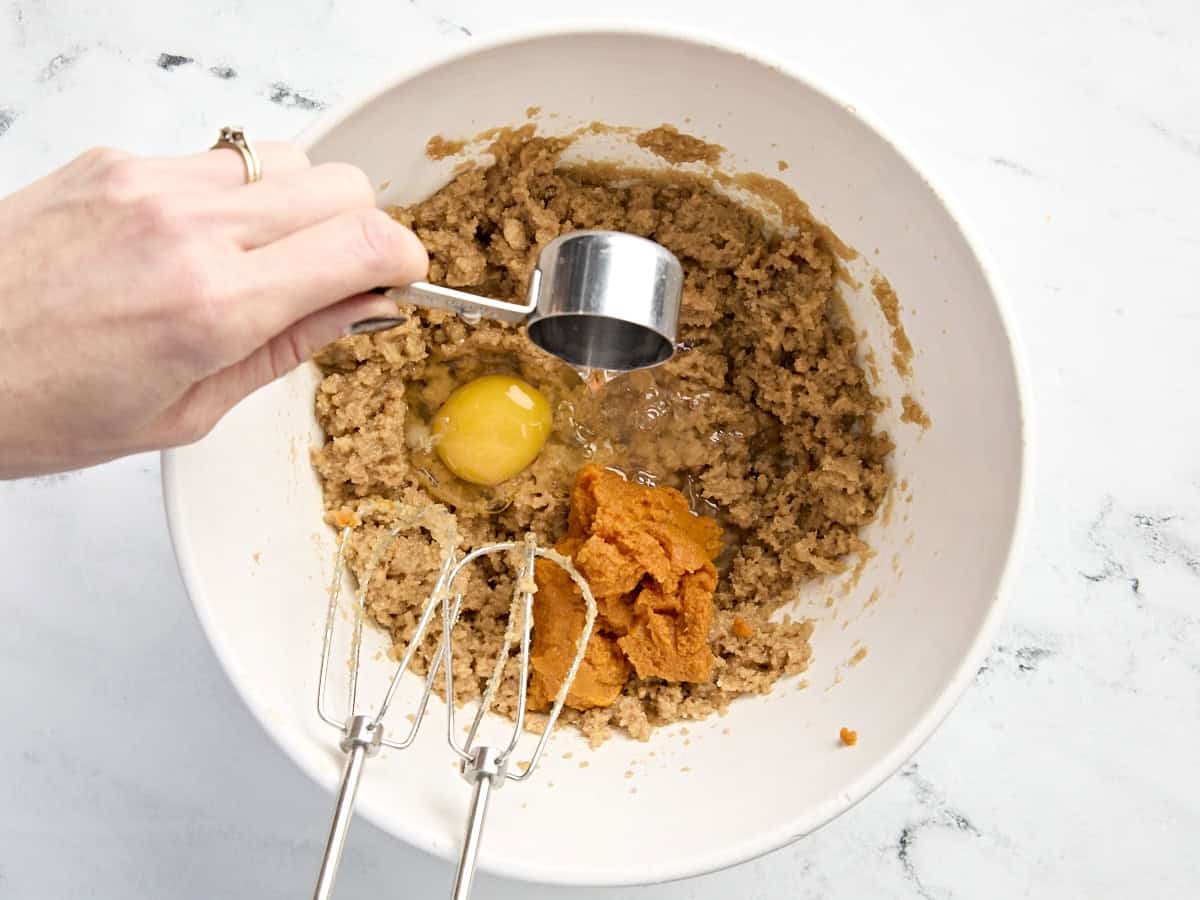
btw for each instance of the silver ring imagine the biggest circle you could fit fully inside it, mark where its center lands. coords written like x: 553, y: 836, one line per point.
x: 235, y: 139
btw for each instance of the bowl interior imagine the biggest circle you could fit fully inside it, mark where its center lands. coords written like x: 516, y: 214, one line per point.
x: 245, y: 507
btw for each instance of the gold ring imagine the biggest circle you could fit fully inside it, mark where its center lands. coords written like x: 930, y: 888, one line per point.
x: 235, y: 139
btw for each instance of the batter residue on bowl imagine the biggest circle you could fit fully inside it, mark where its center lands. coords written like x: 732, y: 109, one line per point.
x: 764, y: 422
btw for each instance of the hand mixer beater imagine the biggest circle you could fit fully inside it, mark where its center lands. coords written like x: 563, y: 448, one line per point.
x: 484, y: 766
x: 599, y: 301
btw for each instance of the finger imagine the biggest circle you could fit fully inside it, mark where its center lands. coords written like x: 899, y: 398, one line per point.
x: 223, y: 166
x: 349, y: 254
x: 274, y: 208
x: 211, y: 398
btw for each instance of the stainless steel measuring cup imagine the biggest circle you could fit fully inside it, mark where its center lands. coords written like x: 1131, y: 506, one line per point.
x: 597, y: 300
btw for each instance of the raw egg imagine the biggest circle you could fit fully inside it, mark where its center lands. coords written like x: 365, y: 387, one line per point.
x: 491, y: 428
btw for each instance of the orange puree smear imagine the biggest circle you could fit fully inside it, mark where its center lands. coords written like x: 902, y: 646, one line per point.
x: 649, y: 563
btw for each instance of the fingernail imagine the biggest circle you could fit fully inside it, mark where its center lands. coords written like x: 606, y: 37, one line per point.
x: 379, y: 323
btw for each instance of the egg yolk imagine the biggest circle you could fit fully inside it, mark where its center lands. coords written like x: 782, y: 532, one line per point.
x: 491, y: 428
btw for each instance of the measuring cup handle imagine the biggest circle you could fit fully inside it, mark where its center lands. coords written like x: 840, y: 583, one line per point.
x: 470, y: 306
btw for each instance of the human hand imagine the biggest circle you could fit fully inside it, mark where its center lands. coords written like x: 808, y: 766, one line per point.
x: 141, y: 298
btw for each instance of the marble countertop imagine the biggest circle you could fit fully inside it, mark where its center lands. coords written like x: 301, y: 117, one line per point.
x: 1068, y: 132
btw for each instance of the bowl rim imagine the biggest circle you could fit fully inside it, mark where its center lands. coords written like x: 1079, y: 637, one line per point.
x: 923, y: 727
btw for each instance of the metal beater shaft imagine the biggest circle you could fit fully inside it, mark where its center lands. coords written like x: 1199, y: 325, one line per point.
x: 362, y: 740
x: 483, y: 771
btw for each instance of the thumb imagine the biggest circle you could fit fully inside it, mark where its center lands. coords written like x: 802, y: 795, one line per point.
x: 203, y: 405
x: 281, y: 354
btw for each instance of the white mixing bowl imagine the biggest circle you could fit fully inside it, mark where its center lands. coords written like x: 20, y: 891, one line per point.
x: 245, y: 508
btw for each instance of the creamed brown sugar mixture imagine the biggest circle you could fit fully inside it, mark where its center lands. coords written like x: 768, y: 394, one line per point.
x: 763, y: 423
